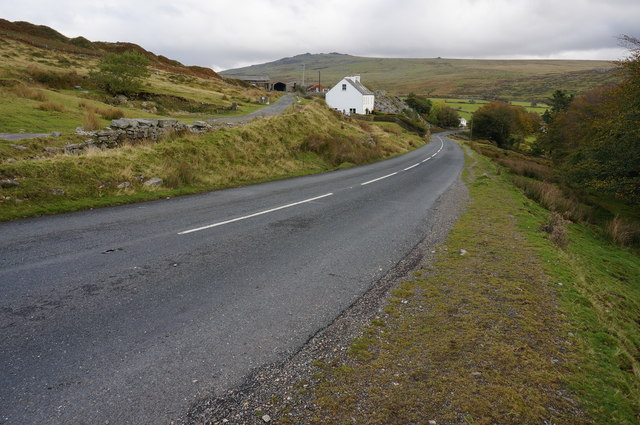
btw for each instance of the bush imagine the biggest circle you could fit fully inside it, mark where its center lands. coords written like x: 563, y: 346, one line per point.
x: 51, y: 106
x: 556, y: 227
x: 122, y: 73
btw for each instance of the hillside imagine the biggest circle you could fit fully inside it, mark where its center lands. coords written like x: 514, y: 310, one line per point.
x: 45, y: 87
x: 46, y: 38
x: 527, y: 80
x: 44, y: 84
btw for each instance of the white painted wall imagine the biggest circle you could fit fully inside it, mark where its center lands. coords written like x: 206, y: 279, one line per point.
x: 344, y: 98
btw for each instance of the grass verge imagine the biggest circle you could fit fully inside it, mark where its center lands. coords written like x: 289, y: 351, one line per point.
x: 307, y: 139
x: 505, y: 327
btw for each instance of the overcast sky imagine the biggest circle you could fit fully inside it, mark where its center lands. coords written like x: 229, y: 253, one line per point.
x: 233, y: 33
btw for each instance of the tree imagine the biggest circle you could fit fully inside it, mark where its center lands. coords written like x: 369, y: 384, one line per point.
x: 444, y: 116
x: 595, y: 142
x: 420, y: 104
x: 506, y: 125
x: 122, y: 73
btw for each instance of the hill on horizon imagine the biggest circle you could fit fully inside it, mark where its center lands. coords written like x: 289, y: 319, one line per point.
x: 532, y: 80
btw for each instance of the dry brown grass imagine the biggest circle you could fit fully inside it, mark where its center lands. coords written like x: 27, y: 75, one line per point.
x: 91, y: 121
x: 51, y: 106
x: 555, y: 199
x: 111, y: 113
x: 106, y: 113
x: 340, y: 149
x: 29, y: 93
x: 623, y: 232
x: 528, y: 168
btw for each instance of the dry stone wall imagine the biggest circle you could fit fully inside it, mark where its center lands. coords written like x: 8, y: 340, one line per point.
x: 136, y: 129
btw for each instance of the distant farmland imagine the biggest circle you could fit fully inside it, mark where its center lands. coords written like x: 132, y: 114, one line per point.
x: 525, y: 80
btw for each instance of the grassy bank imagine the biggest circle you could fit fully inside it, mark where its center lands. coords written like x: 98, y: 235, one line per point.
x: 506, y: 327
x: 45, y: 90
x: 306, y: 139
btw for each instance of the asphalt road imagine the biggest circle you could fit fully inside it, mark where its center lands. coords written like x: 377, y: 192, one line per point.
x: 126, y: 315
x: 276, y: 108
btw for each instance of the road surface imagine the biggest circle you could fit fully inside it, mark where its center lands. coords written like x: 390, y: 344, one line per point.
x: 126, y: 315
x: 276, y: 108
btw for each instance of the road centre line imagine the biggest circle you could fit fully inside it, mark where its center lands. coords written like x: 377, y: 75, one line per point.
x: 379, y: 178
x: 254, y: 214
x: 221, y: 223
x: 414, y: 165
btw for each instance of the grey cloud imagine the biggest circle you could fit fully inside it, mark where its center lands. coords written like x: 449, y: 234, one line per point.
x: 201, y: 32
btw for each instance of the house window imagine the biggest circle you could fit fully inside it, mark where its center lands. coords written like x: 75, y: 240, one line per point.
x: 344, y: 87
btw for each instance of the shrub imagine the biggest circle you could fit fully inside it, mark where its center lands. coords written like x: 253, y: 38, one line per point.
x: 556, y: 227
x: 122, y: 73
x: 91, y: 121
x: 51, y: 106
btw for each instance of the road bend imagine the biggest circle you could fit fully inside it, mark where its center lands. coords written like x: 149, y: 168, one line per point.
x: 126, y: 315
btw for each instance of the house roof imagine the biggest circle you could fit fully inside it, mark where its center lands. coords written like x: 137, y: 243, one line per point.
x: 358, y: 86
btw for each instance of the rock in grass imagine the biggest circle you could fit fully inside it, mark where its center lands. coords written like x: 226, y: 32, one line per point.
x: 124, y: 185
x: 19, y: 147
x: 266, y: 418
x: 153, y: 181
x: 6, y: 183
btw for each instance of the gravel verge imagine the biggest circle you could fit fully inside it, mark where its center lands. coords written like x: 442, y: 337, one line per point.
x: 278, y: 389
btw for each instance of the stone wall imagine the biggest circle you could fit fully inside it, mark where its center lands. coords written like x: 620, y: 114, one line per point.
x: 136, y: 129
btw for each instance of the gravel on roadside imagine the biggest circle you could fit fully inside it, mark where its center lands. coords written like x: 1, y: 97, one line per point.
x: 267, y: 392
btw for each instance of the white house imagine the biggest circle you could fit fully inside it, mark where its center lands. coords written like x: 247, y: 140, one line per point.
x: 349, y: 96
x: 463, y: 122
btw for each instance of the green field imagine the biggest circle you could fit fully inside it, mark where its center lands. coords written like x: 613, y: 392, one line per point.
x: 466, y: 107
x: 525, y: 80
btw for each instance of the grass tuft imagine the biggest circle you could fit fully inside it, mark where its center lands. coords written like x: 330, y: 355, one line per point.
x: 91, y: 121
x: 623, y: 232
x: 29, y: 93
x: 51, y: 106
x: 111, y: 113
